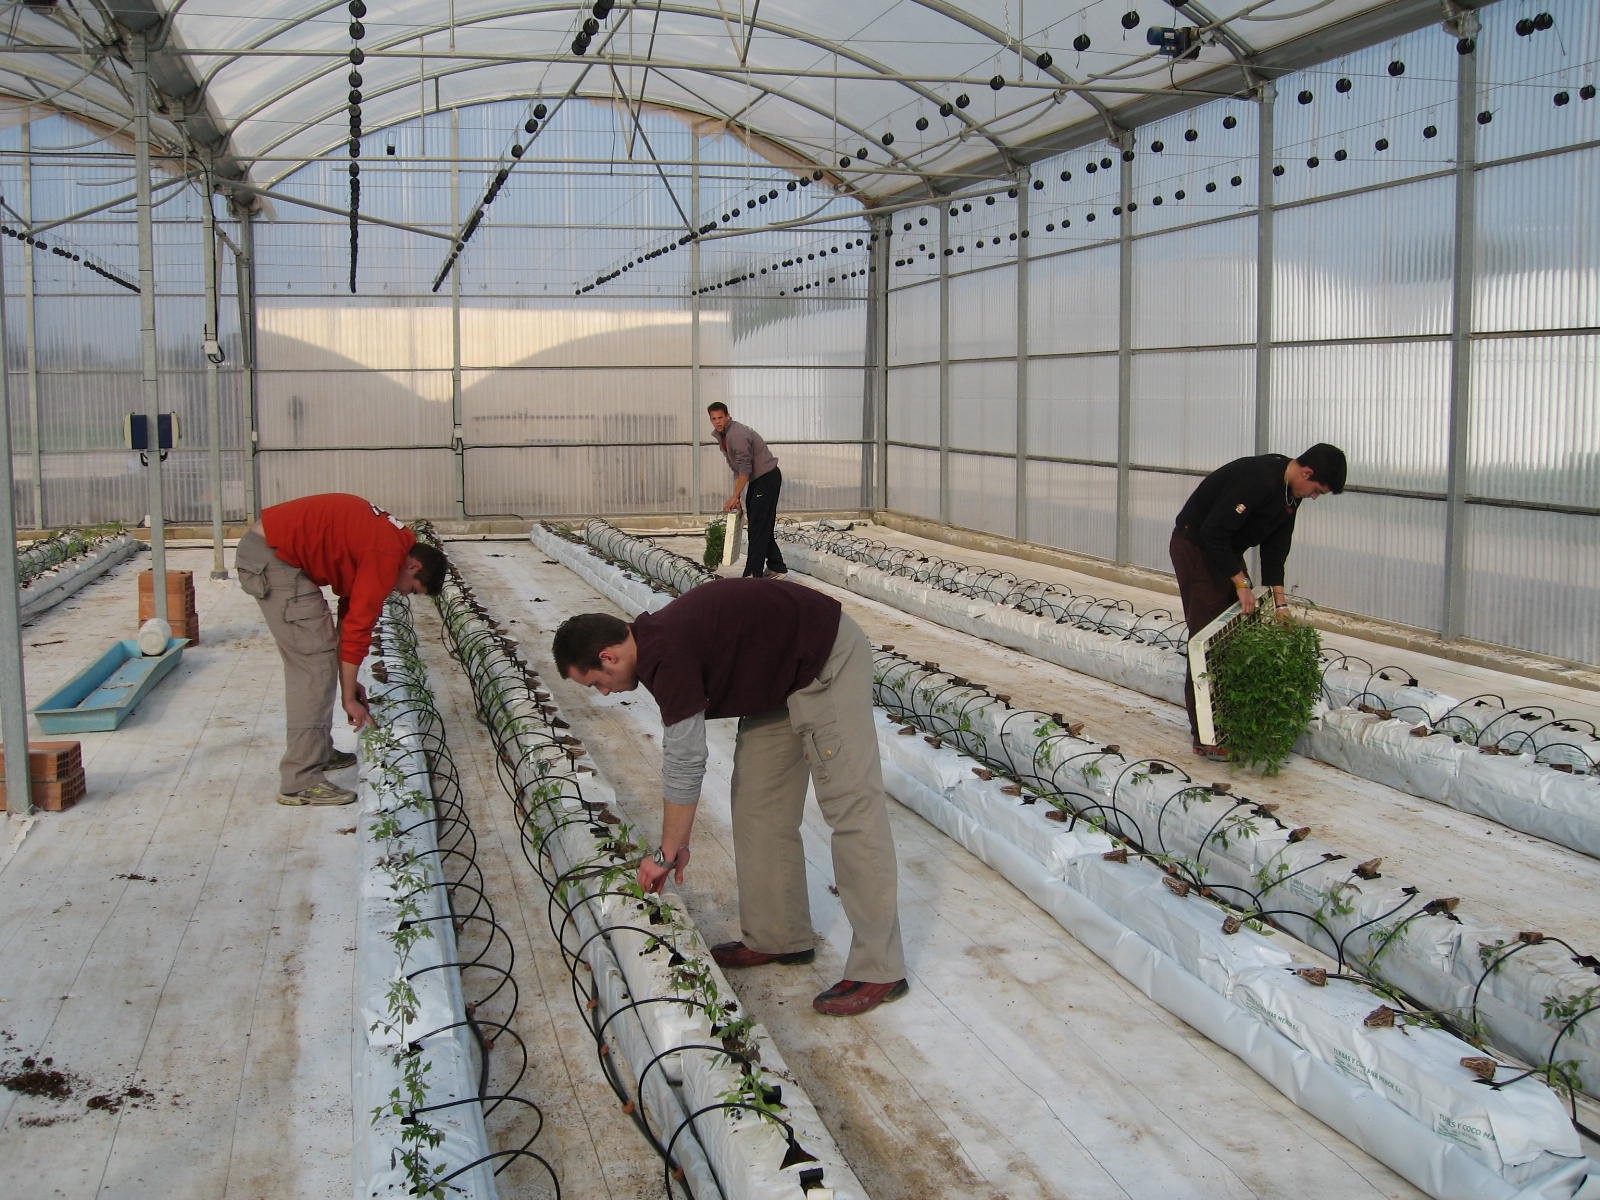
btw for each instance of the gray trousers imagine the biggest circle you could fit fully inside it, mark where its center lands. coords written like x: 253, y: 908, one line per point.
x: 827, y: 734
x: 303, y: 627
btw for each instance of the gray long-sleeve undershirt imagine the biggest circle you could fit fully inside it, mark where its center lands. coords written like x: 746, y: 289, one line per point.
x: 683, y: 759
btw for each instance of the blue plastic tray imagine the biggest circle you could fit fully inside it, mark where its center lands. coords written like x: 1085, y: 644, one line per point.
x: 102, y: 696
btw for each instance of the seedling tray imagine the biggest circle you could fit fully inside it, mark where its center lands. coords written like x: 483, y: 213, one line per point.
x: 102, y: 696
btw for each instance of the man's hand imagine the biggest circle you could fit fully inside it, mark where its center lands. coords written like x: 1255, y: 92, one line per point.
x: 653, y: 877
x: 1247, y: 599
x: 730, y: 505
x: 356, y: 709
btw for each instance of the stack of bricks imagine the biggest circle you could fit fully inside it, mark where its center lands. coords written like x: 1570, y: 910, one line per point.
x: 181, y: 612
x: 55, y: 774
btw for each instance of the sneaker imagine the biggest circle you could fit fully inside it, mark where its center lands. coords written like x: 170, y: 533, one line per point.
x: 1211, y: 753
x: 736, y: 954
x: 318, y: 793
x: 339, y: 760
x: 848, y: 998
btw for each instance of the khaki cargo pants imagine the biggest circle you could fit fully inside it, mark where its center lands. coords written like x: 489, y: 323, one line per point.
x: 828, y: 735
x: 303, y: 627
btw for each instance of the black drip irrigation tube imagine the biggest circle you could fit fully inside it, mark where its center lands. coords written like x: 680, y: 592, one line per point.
x: 1567, y: 744
x: 466, y: 907
x: 597, y: 913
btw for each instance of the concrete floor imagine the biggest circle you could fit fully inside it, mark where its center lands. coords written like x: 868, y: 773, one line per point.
x: 180, y: 946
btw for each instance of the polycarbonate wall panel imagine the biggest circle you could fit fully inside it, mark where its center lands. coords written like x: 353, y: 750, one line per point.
x: 914, y: 405
x: 1386, y: 405
x: 983, y: 314
x: 538, y: 481
x: 983, y: 493
x: 914, y: 324
x: 1538, y: 245
x: 1536, y: 423
x: 783, y: 404
x: 1531, y: 581
x: 1194, y: 410
x: 92, y: 488
x: 1177, y: 156
x: 1379, y: 555
x: 1373, y: 265
x: 616, y: 407
x: 1073, y: 507
x: 983, y: 406
x: 1521, y: 77
x: 83, y: 410
x: 79, y: 332
x: 316, y: 410
x: 1072, y: 305
x: 1154, y: 500
x: 802, y: 333
x: 592, y: 332
x: 914, y: 482
x: 355, y: 334
x: 1196, y: 287
x: 1072, y: 407
x: 409, y: 483
x: 1398, y: 109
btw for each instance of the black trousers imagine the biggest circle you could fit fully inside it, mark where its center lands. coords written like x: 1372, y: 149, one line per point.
x: 761, y: 514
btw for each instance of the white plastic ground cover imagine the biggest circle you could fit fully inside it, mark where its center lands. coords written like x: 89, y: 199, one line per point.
x: 630, y: 593
x: 53, y: 586
x: 676, y: 1059
x: 1517, y: 791
x: 1435, y: 957
x: 449, y: 1055
x: 1399, y: 1092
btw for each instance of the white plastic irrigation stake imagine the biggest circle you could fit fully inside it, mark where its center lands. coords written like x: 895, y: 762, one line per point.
x: 733, y: 530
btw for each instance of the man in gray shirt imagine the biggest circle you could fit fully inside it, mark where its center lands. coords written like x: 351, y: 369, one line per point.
x: 757, y: 480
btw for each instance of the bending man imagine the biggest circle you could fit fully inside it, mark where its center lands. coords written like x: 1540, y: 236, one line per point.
x: 757, y: 481
x: 797, y: 672
x: 1248, y: 502
x: 284, y: 561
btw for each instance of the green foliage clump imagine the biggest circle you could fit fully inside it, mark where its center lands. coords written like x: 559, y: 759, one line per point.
x: 715, y: 532
x: 1266, y: 678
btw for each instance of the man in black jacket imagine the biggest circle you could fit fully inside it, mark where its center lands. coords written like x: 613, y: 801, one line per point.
x: 1248, y: 502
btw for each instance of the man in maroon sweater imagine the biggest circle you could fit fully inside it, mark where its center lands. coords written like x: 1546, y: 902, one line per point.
x: 285, y: 560
x: 797, y: 672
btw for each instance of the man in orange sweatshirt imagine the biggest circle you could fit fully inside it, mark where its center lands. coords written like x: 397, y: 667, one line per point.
x: 295, y: 550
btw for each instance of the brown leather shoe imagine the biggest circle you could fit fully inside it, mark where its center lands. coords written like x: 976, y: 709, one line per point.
x: 847, y: 998
x: 1211, y: 753
x: 736, y: 954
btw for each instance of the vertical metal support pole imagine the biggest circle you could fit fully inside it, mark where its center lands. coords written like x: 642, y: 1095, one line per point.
x: 13, y: 700
x: 1456, y: 530
x: 147, y: 316
x: 1266, y: 219
x: 1024, y: 184
x: 211, y: 336
x: 944, y: 365
x: 244, y: 270
x: 1125, y: 362
x: 30, y: 318
x: 456, y: 410
x: 875, y: 465
x: 696, y: 483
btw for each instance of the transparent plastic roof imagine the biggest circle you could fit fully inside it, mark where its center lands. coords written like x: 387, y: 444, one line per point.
x: 890, y: 98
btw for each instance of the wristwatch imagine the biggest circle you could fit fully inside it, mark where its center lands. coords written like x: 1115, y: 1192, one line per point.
x: 661, y: 859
